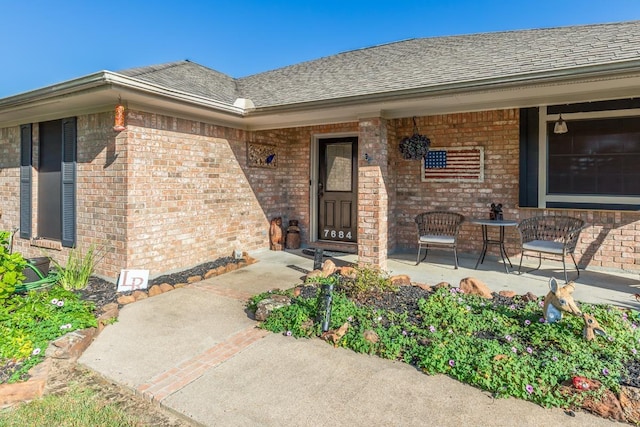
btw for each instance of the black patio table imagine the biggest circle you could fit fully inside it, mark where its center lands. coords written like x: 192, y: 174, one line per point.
x: 486, y: 241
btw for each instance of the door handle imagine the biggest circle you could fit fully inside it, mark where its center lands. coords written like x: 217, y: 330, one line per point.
x: 320, y: 189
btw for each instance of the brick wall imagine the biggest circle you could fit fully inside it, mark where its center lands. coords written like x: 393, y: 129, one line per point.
x: 496, y: 131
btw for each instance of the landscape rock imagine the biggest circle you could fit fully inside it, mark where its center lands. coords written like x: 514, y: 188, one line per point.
x: 155, y: 290
x: 603, y: 402
x: 12, y: 394
x: 267, y: 305
x: 313, y: 274
x: 328, y: 268
x: 71, y: 345
x: 211, y: 273
x: 348, y: 272
x: 107, y: 316
x: 179, y: 285
x: 139, y: 295
x: 507, y: 294
x: 630, y: 402
x: 334, y: 336
x: 231, y: 267
x: 193, y: 279
x: 400, y: 280
x: 473, y: 286
x: 529, y: 296
x: 165, y: 287
x: 110, y: 308
x: 126, y: 299
x: 371, y: 336
x: 442, y: 285
x: 423, y: 286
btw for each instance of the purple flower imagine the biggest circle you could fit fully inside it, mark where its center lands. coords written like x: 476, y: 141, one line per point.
x: 468, y: 308
x: 432, y: 329
x: 452, y: 363
x: 610, y: 338
x: 35, y: 352
x: 634, y: 351
x: 554, y: 358
x: 529, y: 350
x: 529, y: 388
x: 514, y: 349
x: 512, y: 306
x: 66, y: 326
x: 288, y: 333
x: 541, y: 320
x: 527, y: 322
x: 60, y: 303
x: 350, y: 319
x: 404, y: 333
x: 540, y: 303
x: 605, y: 371
x: 508, y: 338
x: 54, y: 301
x: 450, y: 331
x: 634, y: 326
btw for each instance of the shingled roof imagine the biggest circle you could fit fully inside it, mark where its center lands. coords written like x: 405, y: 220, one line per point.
x: 411, y: 64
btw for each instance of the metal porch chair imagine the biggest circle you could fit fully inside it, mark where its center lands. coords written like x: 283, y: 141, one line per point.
x: 438, y: 229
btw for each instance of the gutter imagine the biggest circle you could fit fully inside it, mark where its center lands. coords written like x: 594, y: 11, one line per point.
x: 110, y: 79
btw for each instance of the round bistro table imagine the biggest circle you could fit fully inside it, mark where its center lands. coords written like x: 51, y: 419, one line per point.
x: 486, y: 241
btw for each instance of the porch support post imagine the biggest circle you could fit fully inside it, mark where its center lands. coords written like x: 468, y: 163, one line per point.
x: 373, y: 201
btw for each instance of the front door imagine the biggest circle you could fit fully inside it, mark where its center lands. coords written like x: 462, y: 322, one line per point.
x: 337, y: 189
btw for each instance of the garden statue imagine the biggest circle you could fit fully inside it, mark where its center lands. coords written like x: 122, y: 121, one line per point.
x: 559, y: 300
x: 275, y: 234
x: 591, y: 327
x: 496, y: 212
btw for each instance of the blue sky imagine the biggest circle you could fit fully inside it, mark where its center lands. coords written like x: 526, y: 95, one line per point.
x: 46, y: 42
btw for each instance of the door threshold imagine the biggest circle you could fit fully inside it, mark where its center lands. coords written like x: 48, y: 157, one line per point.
x: 347, y: 247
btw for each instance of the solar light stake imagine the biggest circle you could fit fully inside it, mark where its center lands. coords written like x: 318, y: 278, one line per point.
x: 327, y: 291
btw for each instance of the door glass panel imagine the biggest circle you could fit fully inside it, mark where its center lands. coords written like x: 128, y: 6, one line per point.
x: 339, y: 167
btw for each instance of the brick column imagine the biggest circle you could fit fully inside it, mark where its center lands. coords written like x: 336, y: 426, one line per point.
x: 373, y: 201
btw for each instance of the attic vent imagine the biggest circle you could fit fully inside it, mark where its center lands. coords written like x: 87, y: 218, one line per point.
x: 244, y: 103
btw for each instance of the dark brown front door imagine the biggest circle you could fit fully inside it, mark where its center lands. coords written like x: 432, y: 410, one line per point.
x: 337, y: 192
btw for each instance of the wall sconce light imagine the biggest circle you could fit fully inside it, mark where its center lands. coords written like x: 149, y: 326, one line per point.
x: 367, y: 157
x: 118, y: 125
x: 560, y: 126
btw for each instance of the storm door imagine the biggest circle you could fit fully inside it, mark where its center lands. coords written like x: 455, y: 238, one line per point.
x: 337, y: 189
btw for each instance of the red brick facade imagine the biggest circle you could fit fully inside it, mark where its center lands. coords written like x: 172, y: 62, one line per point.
x: 169, y: 193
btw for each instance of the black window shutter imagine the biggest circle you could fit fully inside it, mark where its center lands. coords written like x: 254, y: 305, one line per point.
x: 25, y: 181
x: 529, y: 150
x: 69, y: 182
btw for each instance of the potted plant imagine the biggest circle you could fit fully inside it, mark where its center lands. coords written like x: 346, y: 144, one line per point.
x: 416, y: 146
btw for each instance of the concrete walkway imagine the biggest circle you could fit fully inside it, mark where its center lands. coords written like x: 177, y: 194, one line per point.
x: 196, y: 352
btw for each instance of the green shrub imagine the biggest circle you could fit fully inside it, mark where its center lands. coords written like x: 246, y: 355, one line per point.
x: 11, y: 267
x: 369, y: 281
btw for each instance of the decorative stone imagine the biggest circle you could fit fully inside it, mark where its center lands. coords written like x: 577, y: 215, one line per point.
x: 179, y: 285
x: 348, y: 272
x: 442, y: 285
x: 400, y: 280
x: 473, y: 286
x: 12, y: 394
x: 328, y: 268
x: 211, y: 273
x: 193, y: 279
x: 297, y: 291
x: 165, y: 287
x: 603, y: 402
x: 221, y: 270
x: 110, y: 307
x: 231, y: 267
x: 154, y: 290
x: 71, y: 345
x: 371, y: 336
x: 313, y: 274
x: 507, y: 294
x: 529, y: 296
x: 423, y: 286
x: 107, y: 316
x: 630, y: 402
x: 267, y: 305
x: 139, y: 295
x: 126, y: 299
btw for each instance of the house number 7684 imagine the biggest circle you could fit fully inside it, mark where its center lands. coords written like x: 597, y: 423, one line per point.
x: 337, y: 234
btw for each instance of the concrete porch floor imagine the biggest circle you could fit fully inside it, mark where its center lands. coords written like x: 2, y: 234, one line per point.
x: 593, y: 286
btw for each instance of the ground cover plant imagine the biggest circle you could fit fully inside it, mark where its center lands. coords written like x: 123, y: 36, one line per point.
x: 501, y: 345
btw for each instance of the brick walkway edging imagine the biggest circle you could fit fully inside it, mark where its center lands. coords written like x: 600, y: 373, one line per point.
x: 163, y: 385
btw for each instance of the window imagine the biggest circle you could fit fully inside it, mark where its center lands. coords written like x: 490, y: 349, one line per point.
x: 56, y: 185
x: 592, y: 166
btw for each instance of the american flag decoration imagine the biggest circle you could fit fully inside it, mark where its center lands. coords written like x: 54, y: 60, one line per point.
x: 455, y: 164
